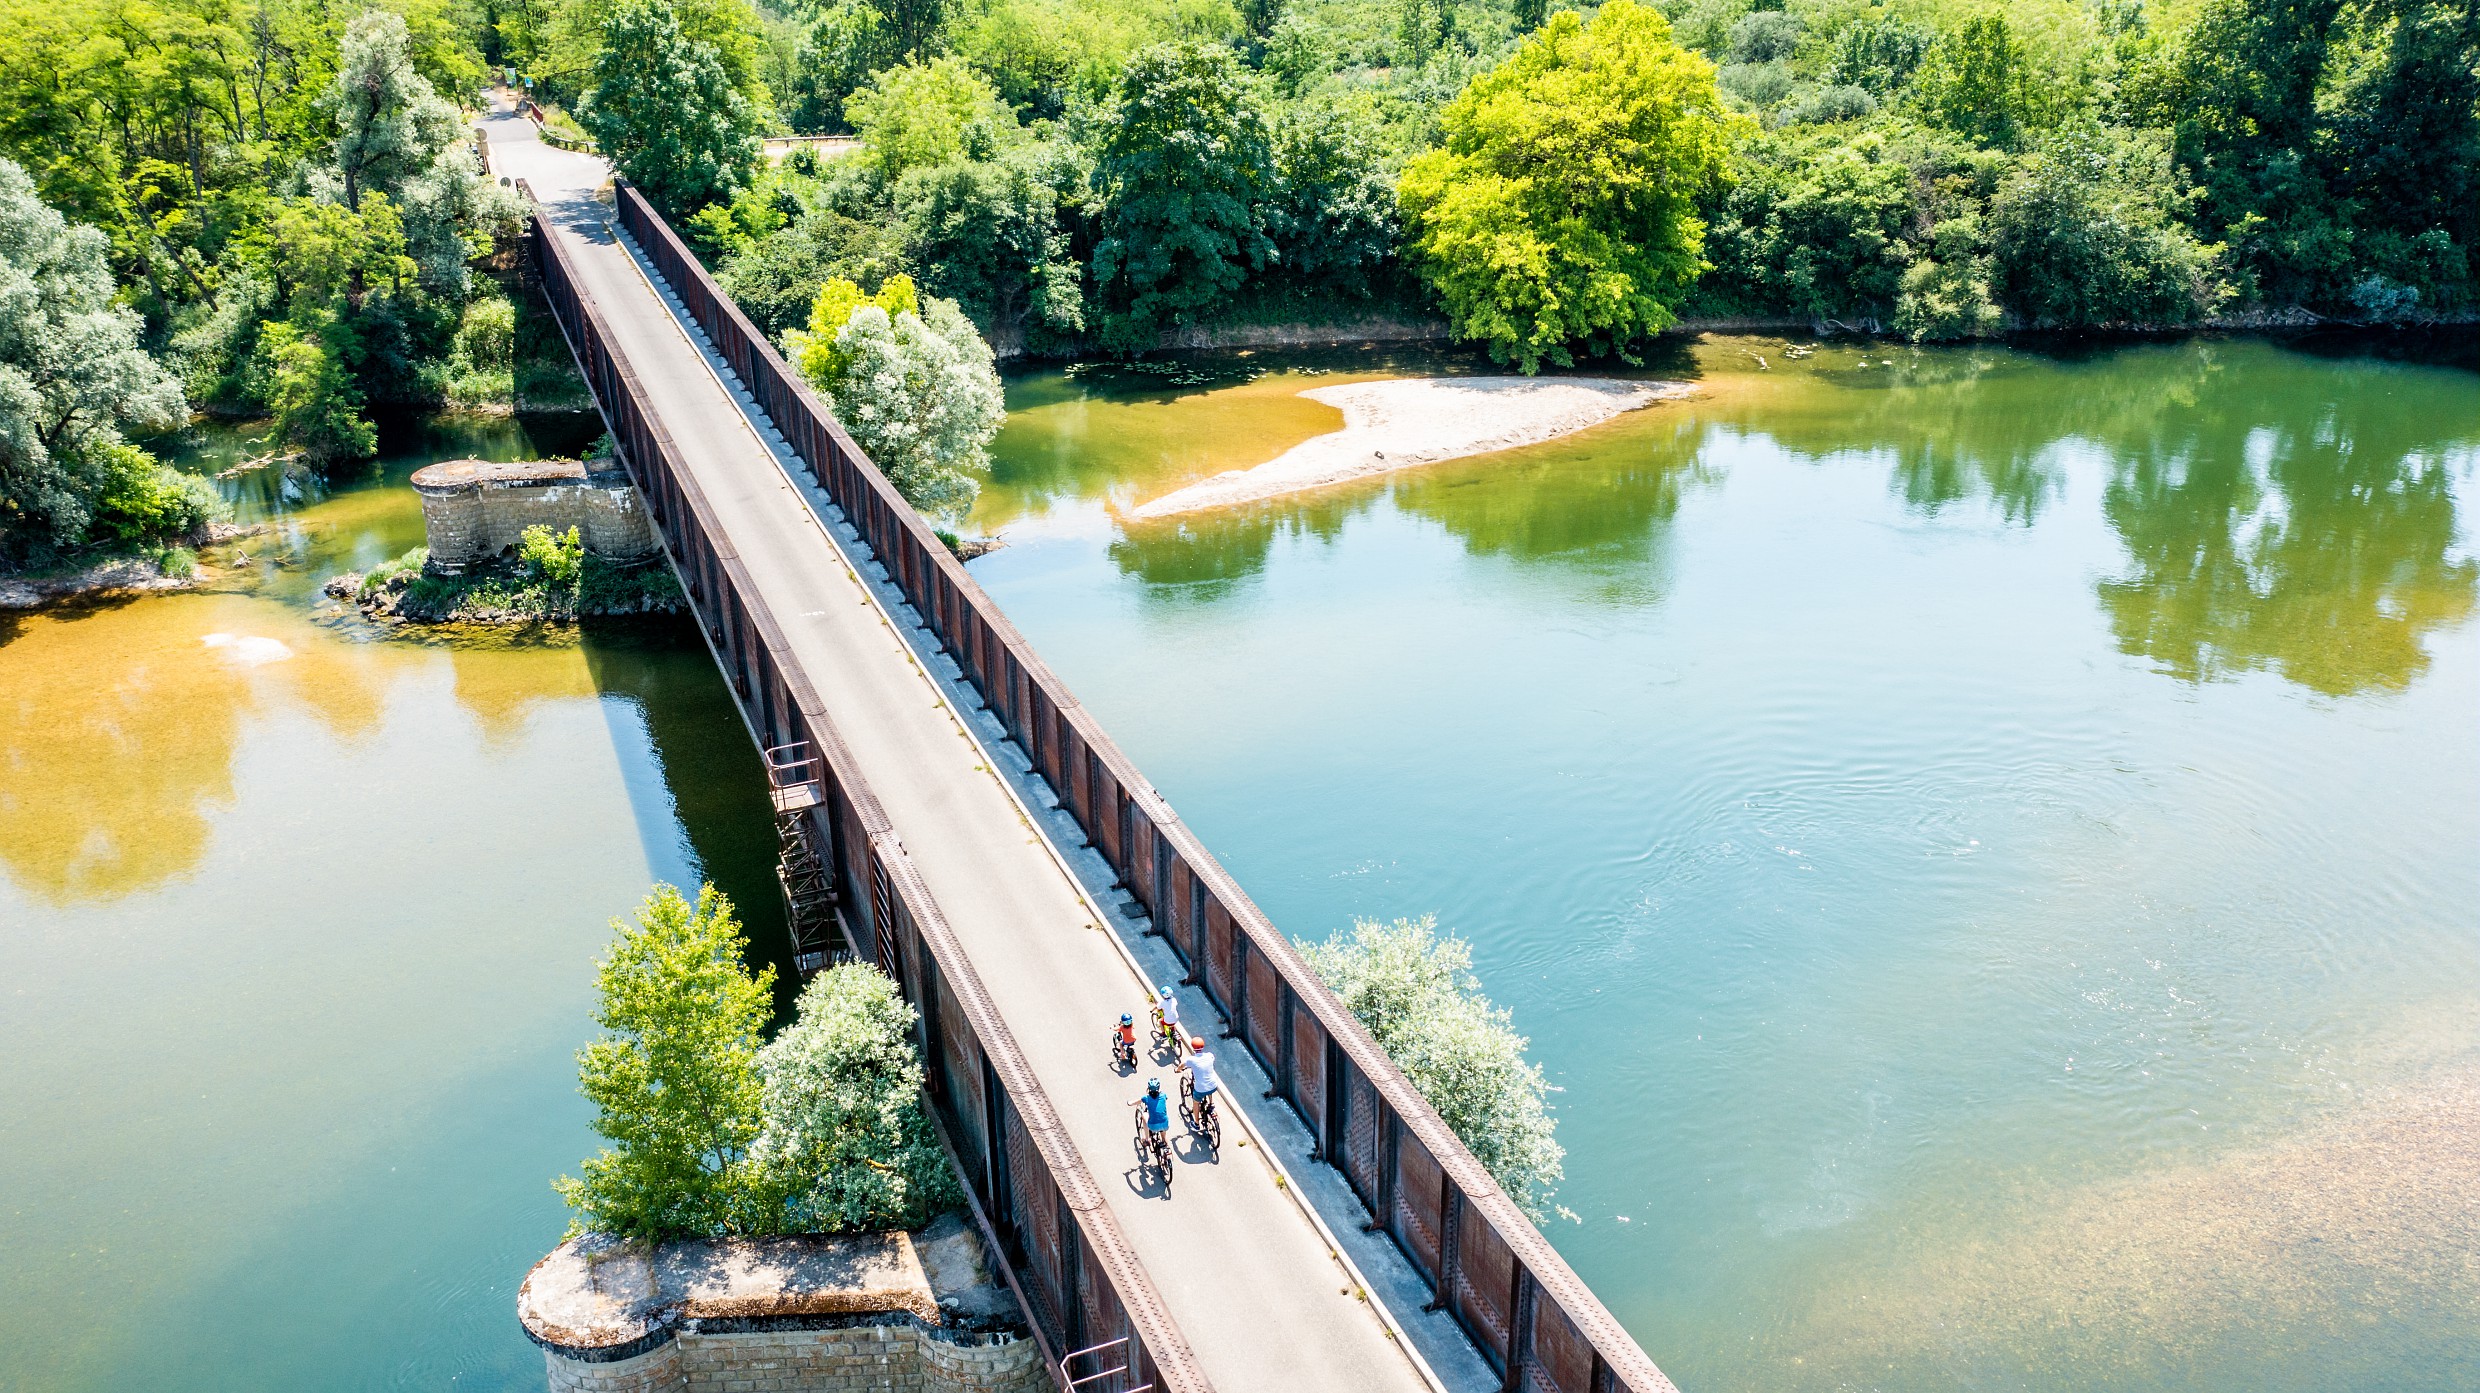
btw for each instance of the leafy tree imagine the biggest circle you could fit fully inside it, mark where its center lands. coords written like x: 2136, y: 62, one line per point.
x: 1950, y: 294
x: 396, y: 135
x: 664, y: 108
x: 913, y: 383
x: 2403, y: 149
x: 847, y: 1143
x: 2083, y: 237
x: 345, y: 280
x: 674, y: 1078
x: 1039, y: 54
x: 776, y: 277
x: 390, y: 124
x: 72, y: 378
x: 2238, y: 91
x: 1879, y: 53
x: 1562, y: 208
x: 923, y: 114
x: 987, y: 235
x: 1332, y: 213
x: 1180, y: 172
x: 1416, y: 993
x: 1836, y: 234
x: 1977, y: 81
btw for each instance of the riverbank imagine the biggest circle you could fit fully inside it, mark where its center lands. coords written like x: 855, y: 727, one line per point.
x: 1400, y: 423
x: 168, y: 569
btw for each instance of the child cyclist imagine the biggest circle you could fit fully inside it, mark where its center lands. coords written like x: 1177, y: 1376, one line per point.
x: 1167, y: 1018
x: 1124, y: 1040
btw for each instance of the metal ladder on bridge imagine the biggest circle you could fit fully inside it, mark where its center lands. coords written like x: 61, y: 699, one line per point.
x: 800, y: 868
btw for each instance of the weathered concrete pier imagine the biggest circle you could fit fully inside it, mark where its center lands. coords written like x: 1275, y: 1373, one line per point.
x: 474, y: 510
x: 981, y: 839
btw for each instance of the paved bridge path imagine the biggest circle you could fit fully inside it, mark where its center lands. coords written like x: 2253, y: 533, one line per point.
x: 1246, y: 1275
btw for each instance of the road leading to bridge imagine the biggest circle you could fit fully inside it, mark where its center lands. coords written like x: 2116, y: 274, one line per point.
x: 1247, y: 1276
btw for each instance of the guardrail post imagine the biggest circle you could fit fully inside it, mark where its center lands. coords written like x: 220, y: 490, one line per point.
x: 1450, y: 1241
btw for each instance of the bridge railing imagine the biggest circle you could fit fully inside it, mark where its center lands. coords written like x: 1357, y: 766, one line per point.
x: 1068, y: 1260
x: 1536, y: 1322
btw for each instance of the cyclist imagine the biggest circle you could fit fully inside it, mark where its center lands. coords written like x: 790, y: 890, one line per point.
x: 1199, y: 1073
x: 1167, y: 1017
x: 1124, y: 1040
x: 1157, y: 1114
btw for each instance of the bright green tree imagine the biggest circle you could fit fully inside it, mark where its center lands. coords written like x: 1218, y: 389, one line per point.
x: 847, y: 1142
x: 664, y: 108
x: 674, y: 1079
x: 1181, y: 172
x: 1561, y: 211
x: 913, y: 382
x: 920, y: 114
x: 1416, y: 993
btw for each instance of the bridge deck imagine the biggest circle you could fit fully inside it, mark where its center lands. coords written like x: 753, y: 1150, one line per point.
x: 1243, y: 1271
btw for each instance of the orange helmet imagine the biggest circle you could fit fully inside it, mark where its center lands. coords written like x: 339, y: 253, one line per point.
x: 1197, y: 1042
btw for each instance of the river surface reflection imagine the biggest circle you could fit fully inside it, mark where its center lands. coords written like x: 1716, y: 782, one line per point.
x: 298, y: 926
x: 1984, y: 839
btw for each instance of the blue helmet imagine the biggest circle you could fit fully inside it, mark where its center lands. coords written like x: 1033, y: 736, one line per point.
x: 1153, y: 1085
x: 1126, y: 1019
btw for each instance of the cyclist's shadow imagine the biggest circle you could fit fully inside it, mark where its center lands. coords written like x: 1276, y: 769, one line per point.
x: 1192, y: 1148
x: 1144, y: 1181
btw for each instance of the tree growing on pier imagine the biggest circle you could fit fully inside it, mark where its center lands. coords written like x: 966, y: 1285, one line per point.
x: 1417, y: 994
x: 674, y: 1080
x: 846, y: 1143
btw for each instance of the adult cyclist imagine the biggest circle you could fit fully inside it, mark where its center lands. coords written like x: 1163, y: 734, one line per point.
x: 1201, y: 1079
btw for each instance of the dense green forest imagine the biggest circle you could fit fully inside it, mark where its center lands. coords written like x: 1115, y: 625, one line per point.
x: 1085, y: 173
x: 269, y: 207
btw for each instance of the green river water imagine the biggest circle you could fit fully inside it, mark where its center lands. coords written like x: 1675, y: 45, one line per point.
x: 1987, y: 843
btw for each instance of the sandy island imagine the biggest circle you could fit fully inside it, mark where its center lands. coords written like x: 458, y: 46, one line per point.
x: 1411, y: 421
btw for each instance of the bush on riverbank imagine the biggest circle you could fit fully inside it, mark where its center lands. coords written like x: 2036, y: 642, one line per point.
x: 822, y: 1130
x: 1417, y: 994
x: 551, y: 579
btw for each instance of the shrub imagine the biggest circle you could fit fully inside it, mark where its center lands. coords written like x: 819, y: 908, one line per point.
x: 550, y: 558
x: 144, y: 500
x: 1416, y: 993
x: 845, y: 1142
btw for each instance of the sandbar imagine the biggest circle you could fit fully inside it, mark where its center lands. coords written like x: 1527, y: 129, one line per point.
x: 1402, y: 422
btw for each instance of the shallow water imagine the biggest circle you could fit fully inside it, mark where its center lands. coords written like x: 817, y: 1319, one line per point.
x: 1985, y: 840
x: 298, y: 928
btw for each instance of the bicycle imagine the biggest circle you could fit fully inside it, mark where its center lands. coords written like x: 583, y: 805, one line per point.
x: 1152, y: 1147
x: 1202, y: 1116
x: 1123, y: 1052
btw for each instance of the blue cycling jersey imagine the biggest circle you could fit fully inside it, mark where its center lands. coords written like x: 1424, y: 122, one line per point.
x: 1157, y: 1113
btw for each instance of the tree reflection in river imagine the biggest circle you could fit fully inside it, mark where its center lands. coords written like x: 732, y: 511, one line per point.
x: 2294, y: 529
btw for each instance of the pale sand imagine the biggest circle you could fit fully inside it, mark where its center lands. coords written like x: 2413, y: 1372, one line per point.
x: 1410, y: 421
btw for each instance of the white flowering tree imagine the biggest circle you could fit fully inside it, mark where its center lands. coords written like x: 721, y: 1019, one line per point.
x: 913, y: 383
x: 1417, y: 994
x: 844, y: 1142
